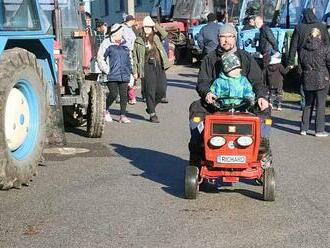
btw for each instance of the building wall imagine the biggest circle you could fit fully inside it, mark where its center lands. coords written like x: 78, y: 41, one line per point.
x: 111, y: 11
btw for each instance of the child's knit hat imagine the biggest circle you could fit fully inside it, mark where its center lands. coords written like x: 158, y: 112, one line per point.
x: 230, y: 62
x: 275, y: 59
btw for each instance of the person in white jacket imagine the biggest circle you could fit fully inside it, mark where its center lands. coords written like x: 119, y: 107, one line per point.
x: 130, y: 36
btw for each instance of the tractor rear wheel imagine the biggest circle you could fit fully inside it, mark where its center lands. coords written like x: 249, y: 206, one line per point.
x: 95, y: 112
x: 191, y: 186
x: 269, y: 184
x: 23, y: 117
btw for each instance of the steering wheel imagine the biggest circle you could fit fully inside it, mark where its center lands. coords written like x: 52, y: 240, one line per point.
x: 245, y: 103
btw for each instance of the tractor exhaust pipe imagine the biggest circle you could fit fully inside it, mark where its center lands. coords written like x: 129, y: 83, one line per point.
x: 57, y: 20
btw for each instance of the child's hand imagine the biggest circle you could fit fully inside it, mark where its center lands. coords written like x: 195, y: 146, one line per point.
x: 136, y: 76
x: 263, y: 103
x: 210, y: 98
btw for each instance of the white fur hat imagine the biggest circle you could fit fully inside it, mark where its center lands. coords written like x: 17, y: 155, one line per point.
x: 115, y: 28
x: 275, y: 60
x: 148, y: 22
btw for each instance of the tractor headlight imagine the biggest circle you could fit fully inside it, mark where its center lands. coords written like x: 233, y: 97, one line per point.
x: 217, y: 141
x: 245, y: 141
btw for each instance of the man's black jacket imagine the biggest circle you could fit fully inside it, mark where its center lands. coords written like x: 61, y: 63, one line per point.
x: 211, y: 67
x: 267, y: 40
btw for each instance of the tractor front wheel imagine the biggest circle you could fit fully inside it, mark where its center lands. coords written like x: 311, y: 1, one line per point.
x: 23, y: 117
x: 191, y: 182
x: 269, y: 184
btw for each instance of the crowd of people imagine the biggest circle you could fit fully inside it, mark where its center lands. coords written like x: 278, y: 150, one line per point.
x: 129, y: 59
x: 310, y: 41
x: 232, y: 74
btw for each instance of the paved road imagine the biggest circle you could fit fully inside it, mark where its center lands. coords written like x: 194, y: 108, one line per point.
x: 128, y: 190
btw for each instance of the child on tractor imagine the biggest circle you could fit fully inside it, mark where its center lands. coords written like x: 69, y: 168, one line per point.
x: 231, y: 84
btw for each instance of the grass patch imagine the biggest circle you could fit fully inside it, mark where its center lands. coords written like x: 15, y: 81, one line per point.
x: 291, y: 97
x: 294, y: 97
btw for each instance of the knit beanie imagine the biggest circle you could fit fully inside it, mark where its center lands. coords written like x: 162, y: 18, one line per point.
x: 230, y: 62
x: 227, y: 29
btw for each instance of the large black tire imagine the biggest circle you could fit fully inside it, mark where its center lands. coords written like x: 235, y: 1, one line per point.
x: 73, y: 121
x: 191, y: 186
x: 19, y: 71
x: 269, y: 184
x: 95, y: 112
x: 183, y: 56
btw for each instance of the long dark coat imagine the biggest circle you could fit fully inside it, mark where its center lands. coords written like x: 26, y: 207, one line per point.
x: 302, y: 32
x: 315, y: 63
x: 267, y: 41
x: 274, y: 76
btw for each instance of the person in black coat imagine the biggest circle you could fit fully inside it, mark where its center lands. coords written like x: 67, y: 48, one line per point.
x: 315, y: 65
x: 302, y: 32
x: 267, y: 41
x: 299, y: 37
x: 274, y: 80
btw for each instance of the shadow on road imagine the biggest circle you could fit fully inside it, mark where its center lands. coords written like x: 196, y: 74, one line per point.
x: 116, y: 112
x: 279, y: 122
x: 76, y: 130
x: 188, y: 75
x: 159, y: 167
x: 294, y: 126
x: 226, y: 188
x: 248, y: 193
x: 181, y: 84
x: 291, y: 105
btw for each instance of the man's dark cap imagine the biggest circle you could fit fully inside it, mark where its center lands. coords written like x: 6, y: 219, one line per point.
x: 88, y: 14
x: 211, y: 17
x: 129, y: 18
x: 100, y: 23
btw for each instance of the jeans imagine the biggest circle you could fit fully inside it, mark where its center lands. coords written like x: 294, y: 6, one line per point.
x: 276, y: 97
x: 320, y: 97
x: 302, y: 94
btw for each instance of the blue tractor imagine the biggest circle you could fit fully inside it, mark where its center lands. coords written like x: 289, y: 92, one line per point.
x: 35, y: 81
x: 28, y: 79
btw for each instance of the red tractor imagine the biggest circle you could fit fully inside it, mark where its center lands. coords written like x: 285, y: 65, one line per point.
x: 82, y: 97
x: 177, y: 19
x: 233, y: 150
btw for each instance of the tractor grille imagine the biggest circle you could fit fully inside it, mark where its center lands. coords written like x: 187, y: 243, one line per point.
x: 235, y: 129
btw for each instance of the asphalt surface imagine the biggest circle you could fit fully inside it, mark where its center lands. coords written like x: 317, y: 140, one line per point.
x: 127, y: 191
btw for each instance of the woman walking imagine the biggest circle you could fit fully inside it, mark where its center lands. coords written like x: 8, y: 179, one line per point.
x: 149, y: 64
x: 114, y: 60
x: 315, y: 63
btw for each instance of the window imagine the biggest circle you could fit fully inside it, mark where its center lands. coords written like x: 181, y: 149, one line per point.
x: 138, y: 3
x: 106, y: 8
x: 122, y: 5
x: 19, y: 15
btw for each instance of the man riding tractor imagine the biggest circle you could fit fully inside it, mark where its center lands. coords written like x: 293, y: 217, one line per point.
x: 210, y: 69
